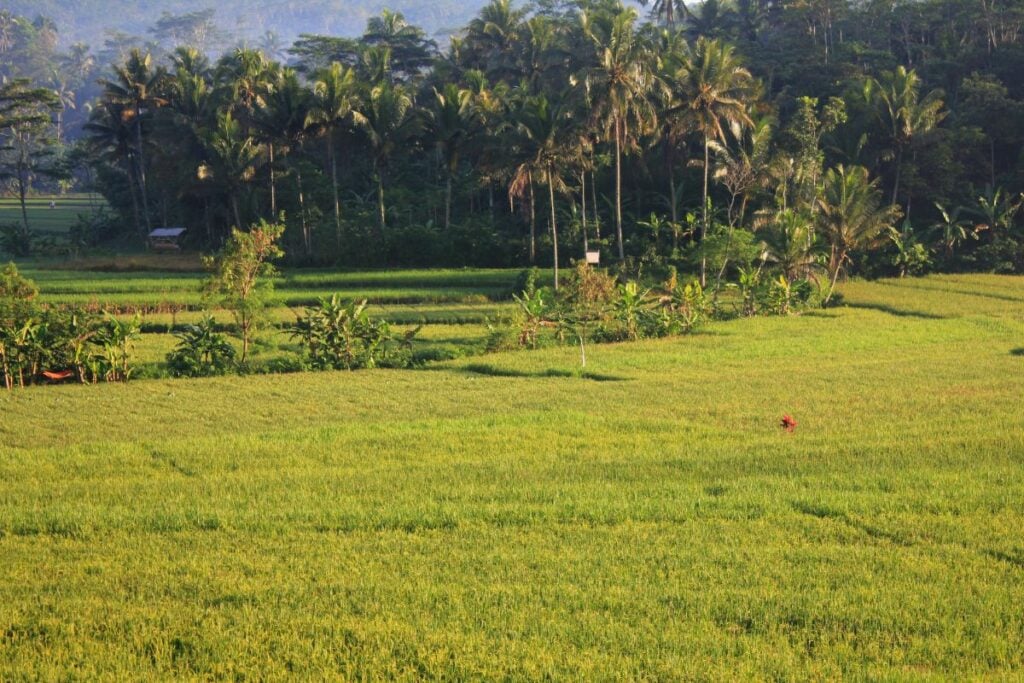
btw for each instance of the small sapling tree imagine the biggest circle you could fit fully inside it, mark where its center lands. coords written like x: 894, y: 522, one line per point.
x: 240, y: 279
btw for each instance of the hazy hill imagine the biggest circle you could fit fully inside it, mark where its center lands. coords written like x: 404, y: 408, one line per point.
x: 88, y: 20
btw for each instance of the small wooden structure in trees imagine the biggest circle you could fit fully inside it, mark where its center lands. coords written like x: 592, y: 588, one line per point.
x: 165, y: 239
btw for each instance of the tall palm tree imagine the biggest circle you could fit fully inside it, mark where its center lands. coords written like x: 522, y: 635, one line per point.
x: 545, y: 137
x: 619, y: 84
x: 904, y: 112
x: 281, y: 125
x: 851, y: 216
x: 231, y: 161
x: 665, y: 9
x: 109, y: 137
x: 137, y: 86
x: 335, y: 97
x: 712, y: 91
x: 492, y: 36
x: 452, y: 123
x: 389, y: 120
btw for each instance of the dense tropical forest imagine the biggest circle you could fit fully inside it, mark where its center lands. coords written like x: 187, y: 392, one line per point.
x: 816, y: 137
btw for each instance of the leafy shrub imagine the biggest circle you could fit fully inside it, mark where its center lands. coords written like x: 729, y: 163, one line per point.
x: 201, y: 351
x: 526, y: 281
x: 16, y: 240
x: 342, y: 336
x: 37, y: 342
x: 116, y: 338
x: 532, y: 314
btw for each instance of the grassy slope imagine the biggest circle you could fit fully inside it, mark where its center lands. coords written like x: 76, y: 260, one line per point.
x: 468, y: 522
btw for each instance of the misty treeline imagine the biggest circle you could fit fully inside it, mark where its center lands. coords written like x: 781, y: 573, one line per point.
x: 814, y: 137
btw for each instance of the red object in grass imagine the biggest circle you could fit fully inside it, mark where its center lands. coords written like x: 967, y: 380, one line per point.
x: 58, y: 376
x: 788, y: 423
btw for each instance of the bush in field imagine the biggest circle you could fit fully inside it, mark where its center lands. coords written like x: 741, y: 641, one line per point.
x: 240, y: 276
x: 201, y: 351
x: 39, y: 343
x: 341, y: 336
x: 16, y: 240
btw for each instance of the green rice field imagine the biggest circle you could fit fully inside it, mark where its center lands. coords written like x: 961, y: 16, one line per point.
x: 508, y: 517
x: 50, y: 221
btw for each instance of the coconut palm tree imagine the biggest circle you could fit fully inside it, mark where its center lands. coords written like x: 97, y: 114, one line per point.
x: 109, y: 137
x: 335, y: 97
x: 665, y: 9
x: 281, y: 125
x: 545, y: 135
x: 389, y: 120
x: 712, y: 91
x: 138, y: 87
x: 904, y: 112
x: 232, y: 157
x: 618, y: 86
x: 851, y: 217
x: 491, y: 39
x: 452, y: 122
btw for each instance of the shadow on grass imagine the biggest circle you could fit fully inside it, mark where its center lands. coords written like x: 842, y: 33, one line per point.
x: 899, y: 312
x: 1019, y: 352
x: 493, y: 371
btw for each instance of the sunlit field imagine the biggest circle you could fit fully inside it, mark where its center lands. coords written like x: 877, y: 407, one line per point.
x: 46, y: 220
x: 509, y: 516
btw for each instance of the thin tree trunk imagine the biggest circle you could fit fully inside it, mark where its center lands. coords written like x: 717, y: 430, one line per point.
x: 593, y: 196
x: 448, y: 202
x: 22, y: 192
x: 234, y: 209
x: 704, y: 222
x: 533, y: 222
x: 306, y: 237
x: 899, y: 169
x: 554, y: 224
x: 142, y: 168
x: 618, y: 189
x: 334, y: 186
x: 836, y: 266
x: 273, y: 186
x: 583, y: 187
x: 381, y: 220
x: 672, y: 190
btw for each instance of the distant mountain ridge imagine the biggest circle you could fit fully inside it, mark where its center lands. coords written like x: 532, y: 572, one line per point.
x: 88, y: 21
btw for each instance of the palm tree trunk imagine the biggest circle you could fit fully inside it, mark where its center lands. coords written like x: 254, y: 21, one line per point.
x: 674, y: 209
x: 448, y: 202
x: 234, y: 209
x: 899, y: 169
x: 618, y: 189
x: 704, y: 221
x: 835, y: 265
x: 554, y: 223
x: 141, y: 169
x: 583, y: 188
x: 381, y: 220
x: 334, y: 186
x: 593, y: 195
x: 273, y: 186
x: 306, y: 238
x: 533, y: 222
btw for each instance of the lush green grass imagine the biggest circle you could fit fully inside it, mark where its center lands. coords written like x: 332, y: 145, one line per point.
x: 494, y: 518
x: 162, y: 289
x: 42, y: 218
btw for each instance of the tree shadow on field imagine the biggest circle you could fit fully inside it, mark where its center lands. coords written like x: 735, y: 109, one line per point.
x: 898, y: 312
x: 494, y: 371
x: 1018, y: 352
